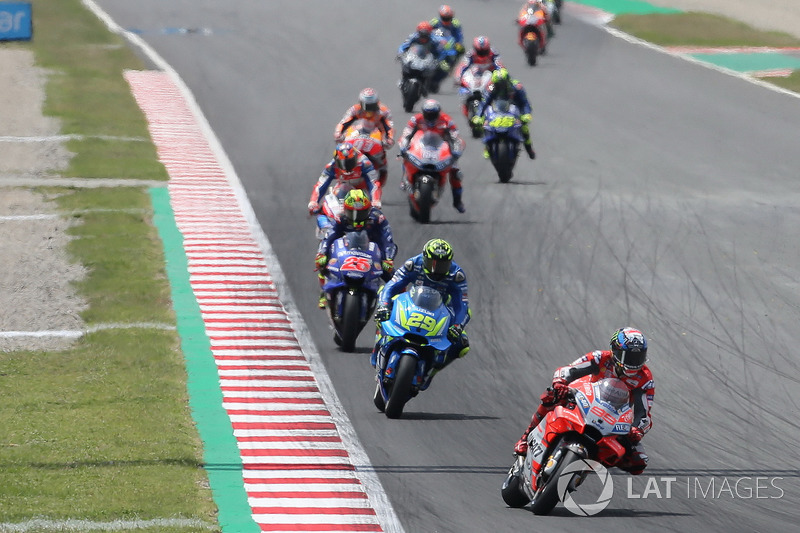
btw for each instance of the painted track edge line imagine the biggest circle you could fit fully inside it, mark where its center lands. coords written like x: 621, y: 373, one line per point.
x: 383, y: 507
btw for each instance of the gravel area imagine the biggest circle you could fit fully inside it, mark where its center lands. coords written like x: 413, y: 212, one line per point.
x: 35, y: 283
x: 35, y: 290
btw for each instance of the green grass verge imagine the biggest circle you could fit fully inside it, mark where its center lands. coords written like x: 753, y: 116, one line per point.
x: 706, y: 30
x: 87, y: 93
x: 699, y: 29
x: 102, y: 431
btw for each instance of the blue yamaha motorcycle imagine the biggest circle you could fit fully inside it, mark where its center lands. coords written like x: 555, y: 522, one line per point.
x: 503, y: 137
x: 411, y: 342
x: 354, y: 277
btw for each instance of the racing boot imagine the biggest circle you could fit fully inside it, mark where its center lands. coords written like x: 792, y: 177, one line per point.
x: 521, y: 447
x: 529, y: 149
x: 485, y: 152
x: 323, y: 301
x: 458, y: 190
x: 457, y: 202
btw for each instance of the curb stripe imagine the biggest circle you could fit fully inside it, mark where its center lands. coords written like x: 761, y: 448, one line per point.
x: 265, y: 429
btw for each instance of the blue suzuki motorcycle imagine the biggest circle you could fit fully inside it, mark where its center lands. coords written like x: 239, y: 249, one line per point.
x: 354, y: 276
x: 411, y: 343
x: 503, y: 137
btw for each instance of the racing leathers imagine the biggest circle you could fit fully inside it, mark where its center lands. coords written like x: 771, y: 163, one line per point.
x: 491, y: 62
x: 600, y: 365
x: 436, y: 47
x: 378, y: 230
x: 382, y: 120
x: 363, y: 176
x: 453, y: 288
x: 445, y: 127
x: 513, y: 91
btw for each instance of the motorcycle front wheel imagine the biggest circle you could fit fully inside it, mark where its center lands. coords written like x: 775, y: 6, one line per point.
x: 425, y: 199
x: 401, y: 388
x: 503, y: 160
x: 411, y: 92
x: 547, y: 497
x: 350, y: 324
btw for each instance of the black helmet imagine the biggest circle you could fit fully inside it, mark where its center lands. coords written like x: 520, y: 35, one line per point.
x: 629, y: 349
x: 437, y: 258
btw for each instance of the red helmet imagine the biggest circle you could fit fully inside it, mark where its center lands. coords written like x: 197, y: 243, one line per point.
x: 482, y: 46
x: 368, y: 99
x: 345, y: 157
x: 424, y: 30
x: 446, y: 14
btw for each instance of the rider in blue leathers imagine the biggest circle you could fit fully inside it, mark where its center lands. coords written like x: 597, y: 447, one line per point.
x: 450, y: 25
x: 504, y: 87
x: 435, y: 268
x: 424, y: 36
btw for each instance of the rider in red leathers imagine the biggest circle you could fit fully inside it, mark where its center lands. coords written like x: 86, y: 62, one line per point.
x: 349, y: 169
x: 626, y: 361
x: 482, y: 53
x: 434, y: 119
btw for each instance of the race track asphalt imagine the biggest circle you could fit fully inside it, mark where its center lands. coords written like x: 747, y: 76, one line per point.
x: 665, y: 196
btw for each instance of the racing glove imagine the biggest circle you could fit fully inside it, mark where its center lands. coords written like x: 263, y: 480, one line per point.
x: 477, y: 120
x: 454, y: 332
x: 383, y: 312
x: 313, y: 208
x: 320, y: 261
x: 460, y: 48
x: 525, y: 118
x: 388, y: 266
x: 635, y: 436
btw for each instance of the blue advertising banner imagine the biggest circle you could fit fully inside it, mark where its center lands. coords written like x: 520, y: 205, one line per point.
x: 16, y: 22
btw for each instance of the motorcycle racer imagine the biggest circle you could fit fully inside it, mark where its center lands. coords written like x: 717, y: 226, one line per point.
x: 532, y: 6
x: 482, y: 53
x: 349, y: 169
x: 434, y: 268
x: 424, y: 35
x: 358, y: 214
x: 371, y: 109
x: 432, y: 118
x: 449, y: 24
x: 626, y: 361
x: 504, y: 87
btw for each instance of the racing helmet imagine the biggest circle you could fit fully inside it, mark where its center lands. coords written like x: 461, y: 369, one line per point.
x: 500, y: 75
x: 629, y: 350
x: 431, y: 110
x: 482, y: 46
x: 368, y: 99
x: 446, y: 14
x: 424, y: 31
x: 356, y: 208
x: 345, y: 157
x: 437, y: 257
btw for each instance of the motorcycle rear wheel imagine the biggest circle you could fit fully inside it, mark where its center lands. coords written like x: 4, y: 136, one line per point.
x: 401, y: 388
x: 531, y: 52
x: 548, y: 497
x: 512, y: 492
